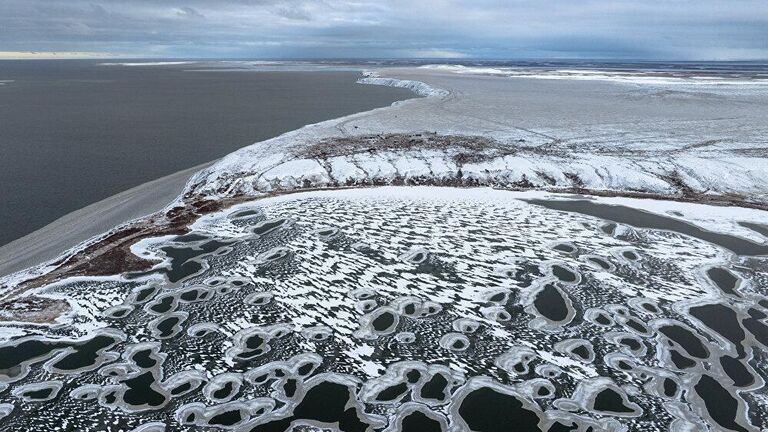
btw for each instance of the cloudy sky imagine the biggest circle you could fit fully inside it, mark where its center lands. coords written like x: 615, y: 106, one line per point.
x: 636, y: 29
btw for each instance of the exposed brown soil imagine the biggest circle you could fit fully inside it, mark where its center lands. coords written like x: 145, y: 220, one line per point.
x: 468, y: 149
x: 32, y: 309
x: 112, y: 255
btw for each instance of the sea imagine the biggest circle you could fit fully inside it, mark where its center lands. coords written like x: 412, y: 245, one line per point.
x: 73, y: 132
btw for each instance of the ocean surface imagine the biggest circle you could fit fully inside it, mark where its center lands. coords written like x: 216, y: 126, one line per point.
x: 75, y: 132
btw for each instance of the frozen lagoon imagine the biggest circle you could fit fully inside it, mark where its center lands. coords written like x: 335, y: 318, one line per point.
x: 442, y: 308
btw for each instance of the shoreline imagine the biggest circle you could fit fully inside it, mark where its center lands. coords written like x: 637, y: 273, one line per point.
x: 91, y: 224
x: 93, y: 221
x: 168, y: 120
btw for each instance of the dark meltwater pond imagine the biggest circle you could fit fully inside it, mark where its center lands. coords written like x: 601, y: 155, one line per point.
x: 363, y: 311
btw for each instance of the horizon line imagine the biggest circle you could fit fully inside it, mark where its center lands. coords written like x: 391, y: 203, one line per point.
x: 398, y: 59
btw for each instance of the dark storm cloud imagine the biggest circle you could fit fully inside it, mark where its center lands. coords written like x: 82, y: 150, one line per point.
x: 674, y: 29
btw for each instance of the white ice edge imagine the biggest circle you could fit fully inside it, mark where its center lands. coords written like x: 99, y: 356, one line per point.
x: 418, y: 87
x: 278, y: 146
x: 274, y: 152
x: 242, y: 63
x: 148, y: 63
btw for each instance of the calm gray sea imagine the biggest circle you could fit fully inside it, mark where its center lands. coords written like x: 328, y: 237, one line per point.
x: 75, y: 132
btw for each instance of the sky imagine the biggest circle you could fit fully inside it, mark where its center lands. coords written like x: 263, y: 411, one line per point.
x: 448, y: 29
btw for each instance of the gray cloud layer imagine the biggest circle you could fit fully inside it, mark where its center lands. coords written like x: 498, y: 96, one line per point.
x: 667, y: 29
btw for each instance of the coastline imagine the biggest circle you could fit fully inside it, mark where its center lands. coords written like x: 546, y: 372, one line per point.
x: 93, y: 221
x: 42, y: 253
x: 90, y: 224
x: 169, y: 118
x: 285, y: 163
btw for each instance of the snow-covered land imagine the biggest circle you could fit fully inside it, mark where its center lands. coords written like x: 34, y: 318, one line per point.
x: 700, y: 142
x: 696, y: 140
x: 417, y: 87
x: 424, y: 299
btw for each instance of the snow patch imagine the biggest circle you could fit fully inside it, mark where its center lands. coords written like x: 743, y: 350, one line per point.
x: 417, y: 87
